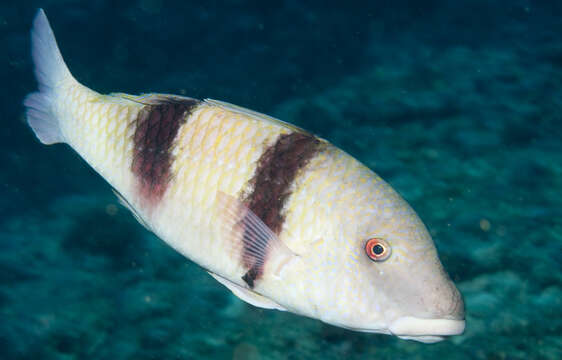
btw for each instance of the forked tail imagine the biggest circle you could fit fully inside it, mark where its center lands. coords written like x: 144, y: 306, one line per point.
x: 52, y: 75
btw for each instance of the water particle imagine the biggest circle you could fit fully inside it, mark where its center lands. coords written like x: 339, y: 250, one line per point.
x: 485, y: 225
x: 111, y: 209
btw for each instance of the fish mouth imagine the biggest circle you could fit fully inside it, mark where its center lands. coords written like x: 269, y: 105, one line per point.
x: 426, y: 330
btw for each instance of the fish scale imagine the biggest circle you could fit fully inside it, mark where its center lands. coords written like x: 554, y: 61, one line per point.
x: 83, y: 135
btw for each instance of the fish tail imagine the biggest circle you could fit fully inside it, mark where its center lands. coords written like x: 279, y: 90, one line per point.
x: 52, y: 75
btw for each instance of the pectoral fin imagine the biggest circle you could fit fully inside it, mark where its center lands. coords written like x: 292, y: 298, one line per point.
x: 251, y: 239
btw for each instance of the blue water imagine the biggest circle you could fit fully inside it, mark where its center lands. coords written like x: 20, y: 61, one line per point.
x: 456, y: 103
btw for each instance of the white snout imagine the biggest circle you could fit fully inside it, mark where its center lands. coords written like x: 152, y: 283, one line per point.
x: 426, y: 330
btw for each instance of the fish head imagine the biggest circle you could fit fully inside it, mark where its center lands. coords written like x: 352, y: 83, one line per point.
x: 404, y: 277
x: 386, y: 276
x: 409, y: 283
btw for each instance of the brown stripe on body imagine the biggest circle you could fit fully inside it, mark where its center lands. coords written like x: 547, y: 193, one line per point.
x: 156, y: 128
x: 277, y: 169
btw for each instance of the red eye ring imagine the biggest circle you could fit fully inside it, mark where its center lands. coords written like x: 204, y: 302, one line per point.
x: 377, y: 249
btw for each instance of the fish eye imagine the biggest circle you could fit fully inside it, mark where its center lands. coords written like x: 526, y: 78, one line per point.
x: 377, y: 249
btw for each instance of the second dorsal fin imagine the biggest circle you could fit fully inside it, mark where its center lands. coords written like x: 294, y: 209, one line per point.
x: 157, y: 99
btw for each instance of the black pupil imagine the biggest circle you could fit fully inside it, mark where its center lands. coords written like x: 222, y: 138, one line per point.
x: 378, y: 249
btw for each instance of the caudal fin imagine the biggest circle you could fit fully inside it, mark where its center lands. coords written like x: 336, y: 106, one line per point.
x: 52, y: 74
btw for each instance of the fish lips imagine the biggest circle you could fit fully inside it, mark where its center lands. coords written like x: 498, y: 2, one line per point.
x: 426, y: 330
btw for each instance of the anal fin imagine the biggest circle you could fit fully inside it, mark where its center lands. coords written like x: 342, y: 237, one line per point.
x: 133, y: 211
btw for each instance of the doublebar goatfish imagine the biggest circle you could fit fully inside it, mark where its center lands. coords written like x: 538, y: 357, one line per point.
x: 282, y: 218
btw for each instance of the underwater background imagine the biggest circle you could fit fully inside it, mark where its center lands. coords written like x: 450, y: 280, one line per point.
x: 457, y: 104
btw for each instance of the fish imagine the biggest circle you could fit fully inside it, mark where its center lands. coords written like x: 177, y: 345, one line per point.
x: 282, y: 218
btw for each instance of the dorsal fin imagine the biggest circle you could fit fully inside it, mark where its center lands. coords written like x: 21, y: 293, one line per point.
x: 254, y: 114
x: 155, y: 98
